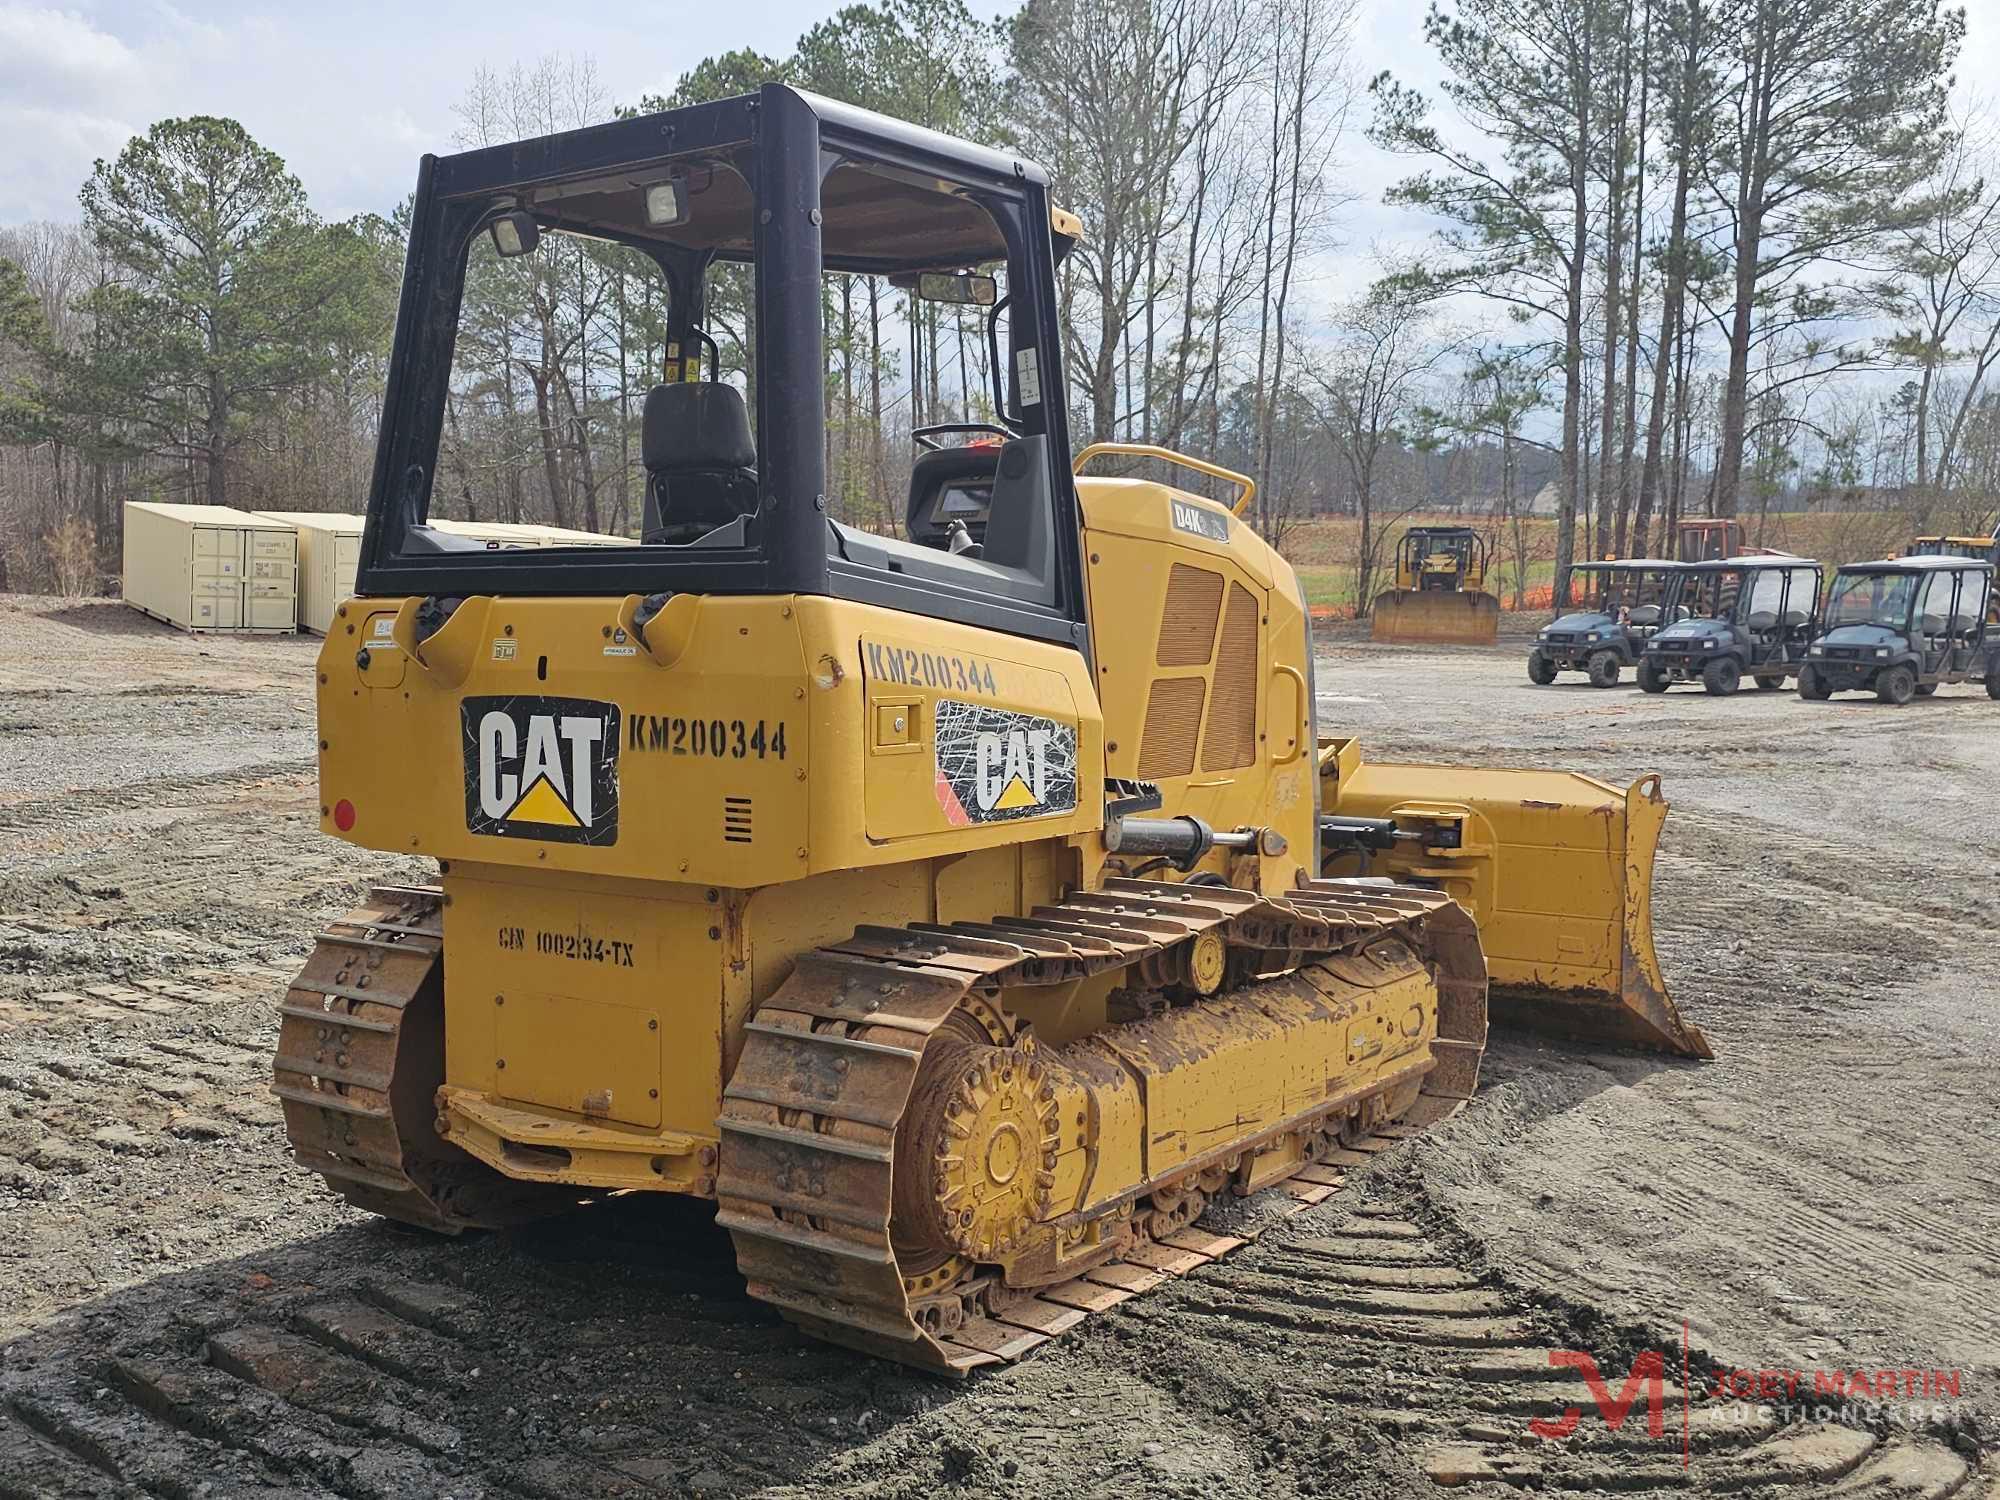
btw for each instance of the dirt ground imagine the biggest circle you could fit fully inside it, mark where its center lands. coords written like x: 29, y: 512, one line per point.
x: 183, y: 1312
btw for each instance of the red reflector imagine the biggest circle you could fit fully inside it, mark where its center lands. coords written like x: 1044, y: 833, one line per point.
x: 343, y: 815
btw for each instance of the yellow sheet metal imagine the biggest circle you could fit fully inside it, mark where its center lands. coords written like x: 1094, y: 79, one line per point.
x: 1435, y: 617
x: 1556, y: 868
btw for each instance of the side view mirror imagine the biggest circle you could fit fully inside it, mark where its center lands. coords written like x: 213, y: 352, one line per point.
x: 515, y: 233
x: 969, y: 289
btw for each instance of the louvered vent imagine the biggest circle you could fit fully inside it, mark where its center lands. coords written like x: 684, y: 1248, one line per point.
x: 1231, y: 740
x: 736, y: 820
x: 1187, y: 624
x: 1173, y: 723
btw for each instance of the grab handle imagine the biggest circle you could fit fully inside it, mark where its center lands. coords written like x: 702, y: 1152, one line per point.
x: 1243, y: 482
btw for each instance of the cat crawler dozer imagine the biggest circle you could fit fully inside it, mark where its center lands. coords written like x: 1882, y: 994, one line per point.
x: 950, y: 907
x: 1440, y: 594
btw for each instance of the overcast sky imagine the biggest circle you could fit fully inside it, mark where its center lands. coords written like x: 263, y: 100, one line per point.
x: 351, y: 95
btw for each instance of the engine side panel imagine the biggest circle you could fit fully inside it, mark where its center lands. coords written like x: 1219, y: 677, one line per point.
x: 1202, y: 661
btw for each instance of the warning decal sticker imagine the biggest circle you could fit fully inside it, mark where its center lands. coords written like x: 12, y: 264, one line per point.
x: 542, y: 768
x: 994, y: 764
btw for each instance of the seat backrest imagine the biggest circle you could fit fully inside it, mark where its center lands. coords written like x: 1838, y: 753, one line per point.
x: 700, y: 460
x: 694, y: 425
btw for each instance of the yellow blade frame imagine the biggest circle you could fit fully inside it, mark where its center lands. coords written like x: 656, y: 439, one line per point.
x: 1557, y: 870
x: 1433, y: 617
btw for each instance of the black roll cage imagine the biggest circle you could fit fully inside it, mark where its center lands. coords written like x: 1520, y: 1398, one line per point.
x: 793, y: 140
x: 1957, y: 566
x: 1668, y: 573
x: 1749, y: 567
x: 1468, y: 545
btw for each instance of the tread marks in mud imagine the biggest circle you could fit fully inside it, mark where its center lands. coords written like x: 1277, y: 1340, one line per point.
x: 366, y: 1389
x: 76, y: 807
x: 1422, y: 1349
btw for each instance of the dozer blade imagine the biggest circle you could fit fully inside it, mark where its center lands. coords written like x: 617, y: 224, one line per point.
x: 1435, y: 617
x: 1556, y: 868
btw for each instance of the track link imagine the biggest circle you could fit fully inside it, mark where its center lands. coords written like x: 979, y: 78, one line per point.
x: 831, y: 1060
x: 360, y: 1051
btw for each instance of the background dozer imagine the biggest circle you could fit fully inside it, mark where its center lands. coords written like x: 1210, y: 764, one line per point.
x: 948, y: 908
x: 1440, y: 593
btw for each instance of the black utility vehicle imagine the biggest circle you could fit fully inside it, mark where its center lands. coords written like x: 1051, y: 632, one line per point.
x: 1733, y: 618
x: 1905, y: 626
x: 1611, y: 610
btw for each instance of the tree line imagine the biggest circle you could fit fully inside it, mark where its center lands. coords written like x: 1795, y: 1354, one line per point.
x: 1668, y: 236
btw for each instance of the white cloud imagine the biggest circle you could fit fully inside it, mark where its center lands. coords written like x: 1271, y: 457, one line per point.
x: 52, y: 57
x: 350, y: 95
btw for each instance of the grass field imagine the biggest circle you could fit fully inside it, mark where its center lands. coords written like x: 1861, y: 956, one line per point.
x: 1324, y: 551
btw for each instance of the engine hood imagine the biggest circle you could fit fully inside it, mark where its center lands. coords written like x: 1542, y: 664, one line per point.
x: 1865, y: 636
x: 1582, y: 622
x: 1692, y: 630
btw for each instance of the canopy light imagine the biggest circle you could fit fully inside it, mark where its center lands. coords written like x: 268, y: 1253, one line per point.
x: 515, y: 234
x: 667, y: 202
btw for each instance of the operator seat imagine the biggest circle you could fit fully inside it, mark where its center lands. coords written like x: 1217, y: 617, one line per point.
x: 701, y: 464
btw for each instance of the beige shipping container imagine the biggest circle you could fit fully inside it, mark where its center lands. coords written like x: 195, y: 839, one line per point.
x: 329, y: 554
x: 209, y: 567
x: 524, y: 534
x: 496, y: 534
x: 563, y: 536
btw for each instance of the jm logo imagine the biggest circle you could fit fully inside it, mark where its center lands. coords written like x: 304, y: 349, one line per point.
x: 1647, y: 1381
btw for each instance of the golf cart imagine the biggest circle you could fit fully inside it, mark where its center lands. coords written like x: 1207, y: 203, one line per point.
x: 1733, y: 618
x: 1905, y: 626
x: 1978, y: 549
x: 1610, y: 611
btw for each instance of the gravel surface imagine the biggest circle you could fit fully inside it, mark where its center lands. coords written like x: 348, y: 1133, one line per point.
x: 184, y: 1312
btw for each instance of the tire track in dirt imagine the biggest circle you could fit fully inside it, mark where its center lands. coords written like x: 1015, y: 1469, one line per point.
x: 372, y: 1381
x: 1774, y: 1200
x: 76, y: 808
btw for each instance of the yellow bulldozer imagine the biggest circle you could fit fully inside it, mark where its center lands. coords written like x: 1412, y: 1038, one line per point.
x: 960, y: 911
x: 1440, y: 593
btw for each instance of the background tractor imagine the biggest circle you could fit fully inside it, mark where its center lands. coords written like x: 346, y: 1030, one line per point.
x: 1611, y: 610
x: 1440, y: 594
x: 1741, y: 617
x: 1905, y: 627
x: 1974, y: 548
x: 1709, y: 540
x: 1716, y: 540
x: 949, y: 908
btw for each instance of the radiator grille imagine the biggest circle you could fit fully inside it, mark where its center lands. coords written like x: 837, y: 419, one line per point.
x: 1187, y: 624
x: 1173, y: 721
x: 736, y: 820
x: 1231, y: 740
